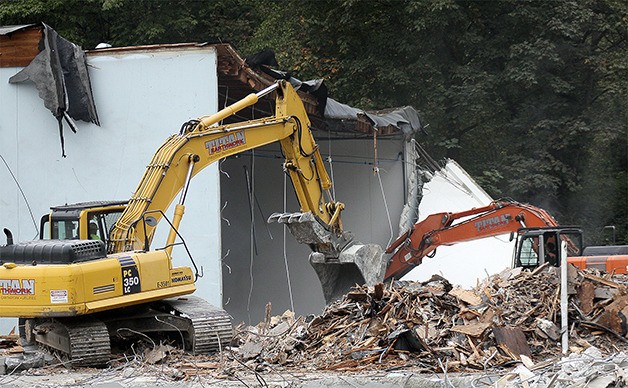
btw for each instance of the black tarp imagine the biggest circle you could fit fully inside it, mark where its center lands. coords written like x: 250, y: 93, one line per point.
x: 404, y: 120
x: 60, y: 74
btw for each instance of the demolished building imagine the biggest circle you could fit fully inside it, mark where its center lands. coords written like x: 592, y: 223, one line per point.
x: 144, y: 93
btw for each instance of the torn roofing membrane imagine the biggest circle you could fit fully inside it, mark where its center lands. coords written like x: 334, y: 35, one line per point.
x: 403, y: 120
x: 7, y: 30
x: 60, y: 75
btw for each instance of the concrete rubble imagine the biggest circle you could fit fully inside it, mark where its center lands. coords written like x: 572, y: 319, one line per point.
x: 504, y: 332
x: 587, y: 369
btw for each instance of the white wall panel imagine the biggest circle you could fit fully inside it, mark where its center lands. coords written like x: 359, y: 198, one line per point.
x: 256, y: 274
x: 453, y: 190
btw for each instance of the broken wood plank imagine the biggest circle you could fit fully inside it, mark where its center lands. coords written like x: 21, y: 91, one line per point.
x: 474, y: 329
x: 469, y: 297
x: 599, y: 279
x: 513, y: 339
x: 586, y: 293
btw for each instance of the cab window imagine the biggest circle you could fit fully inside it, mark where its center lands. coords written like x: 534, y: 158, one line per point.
x: 528, y: 256
x: 64, y: 230
x: 101, y: 224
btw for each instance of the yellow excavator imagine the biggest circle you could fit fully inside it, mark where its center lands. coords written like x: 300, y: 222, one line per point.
x: 93, y: 276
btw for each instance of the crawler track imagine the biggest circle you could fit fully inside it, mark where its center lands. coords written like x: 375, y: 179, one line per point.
x: 211, y: 328
x: 86, y: 341
x: 81, y: 342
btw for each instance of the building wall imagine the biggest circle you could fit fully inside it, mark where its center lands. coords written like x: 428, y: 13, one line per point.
x: 142, y: 97
x: 255, y: 274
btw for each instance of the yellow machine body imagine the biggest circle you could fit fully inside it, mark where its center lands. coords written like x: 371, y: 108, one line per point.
x: 118, y: 280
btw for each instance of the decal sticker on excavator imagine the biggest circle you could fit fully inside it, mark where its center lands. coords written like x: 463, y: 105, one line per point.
x: 492, y: 223
x: 17, y: 286
x: 130, y: 275
x: 226, y: 142
x: 184, y: 278
x: 180, y: 276
x: 58, y: 296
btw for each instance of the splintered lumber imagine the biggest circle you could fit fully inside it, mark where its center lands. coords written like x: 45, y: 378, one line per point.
x: 473, y: 329
x: 469, y: 297
x: 10, y: 344
x: 586, y: 294
x: 430, y: 324
x: 600, y: 279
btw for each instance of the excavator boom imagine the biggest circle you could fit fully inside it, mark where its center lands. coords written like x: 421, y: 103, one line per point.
x: 201, y: 143
x: 339, y: 260
x: 539, y: 239
x: 499, y: 217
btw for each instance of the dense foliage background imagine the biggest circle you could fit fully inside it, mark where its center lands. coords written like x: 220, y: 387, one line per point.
x: 529, y: 96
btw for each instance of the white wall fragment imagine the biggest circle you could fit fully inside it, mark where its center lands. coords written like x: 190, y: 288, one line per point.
x: 453, y: 190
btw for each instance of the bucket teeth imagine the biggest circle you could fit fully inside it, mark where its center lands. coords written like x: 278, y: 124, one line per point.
x: 308, y: 229
x: 289, y: 218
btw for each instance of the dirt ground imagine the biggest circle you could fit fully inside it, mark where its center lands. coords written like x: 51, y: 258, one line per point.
x: 590, y: 368
x: 175, y: 368
x: 160, y: 376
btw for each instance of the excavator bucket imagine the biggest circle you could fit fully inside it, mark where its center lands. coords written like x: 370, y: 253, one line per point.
x: 339, y: 261
x: 356, y: 264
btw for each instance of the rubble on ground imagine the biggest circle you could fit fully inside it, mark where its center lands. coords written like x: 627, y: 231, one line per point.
x: 587, y: 369
x: 506, y: 328
x: 435, y: 327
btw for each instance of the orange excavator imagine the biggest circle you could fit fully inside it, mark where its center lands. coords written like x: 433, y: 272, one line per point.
x: 539, y: 238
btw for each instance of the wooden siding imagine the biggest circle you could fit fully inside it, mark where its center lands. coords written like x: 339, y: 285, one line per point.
x: 20, y: 47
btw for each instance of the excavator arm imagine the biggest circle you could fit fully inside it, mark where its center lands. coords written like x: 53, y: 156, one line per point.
x: 499, y: 217
x: 201, y: 143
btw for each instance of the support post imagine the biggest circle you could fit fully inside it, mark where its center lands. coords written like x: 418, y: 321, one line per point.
x: 564, y: 323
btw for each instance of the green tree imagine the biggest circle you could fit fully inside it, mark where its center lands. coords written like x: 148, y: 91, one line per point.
x: 137, y: 22
x: 528, y: 96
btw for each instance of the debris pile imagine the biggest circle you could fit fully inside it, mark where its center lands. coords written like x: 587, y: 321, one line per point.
x: 509, y: 321
x: 9, y: 343
x: 275, y: 340
x: 433, y: 326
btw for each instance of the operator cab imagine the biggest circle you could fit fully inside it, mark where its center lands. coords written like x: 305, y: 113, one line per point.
x: 537, y: 246
x: 81, y: 221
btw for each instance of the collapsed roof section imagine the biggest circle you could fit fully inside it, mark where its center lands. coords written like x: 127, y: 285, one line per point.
x: 56, y: 66
x: 238, y: 77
